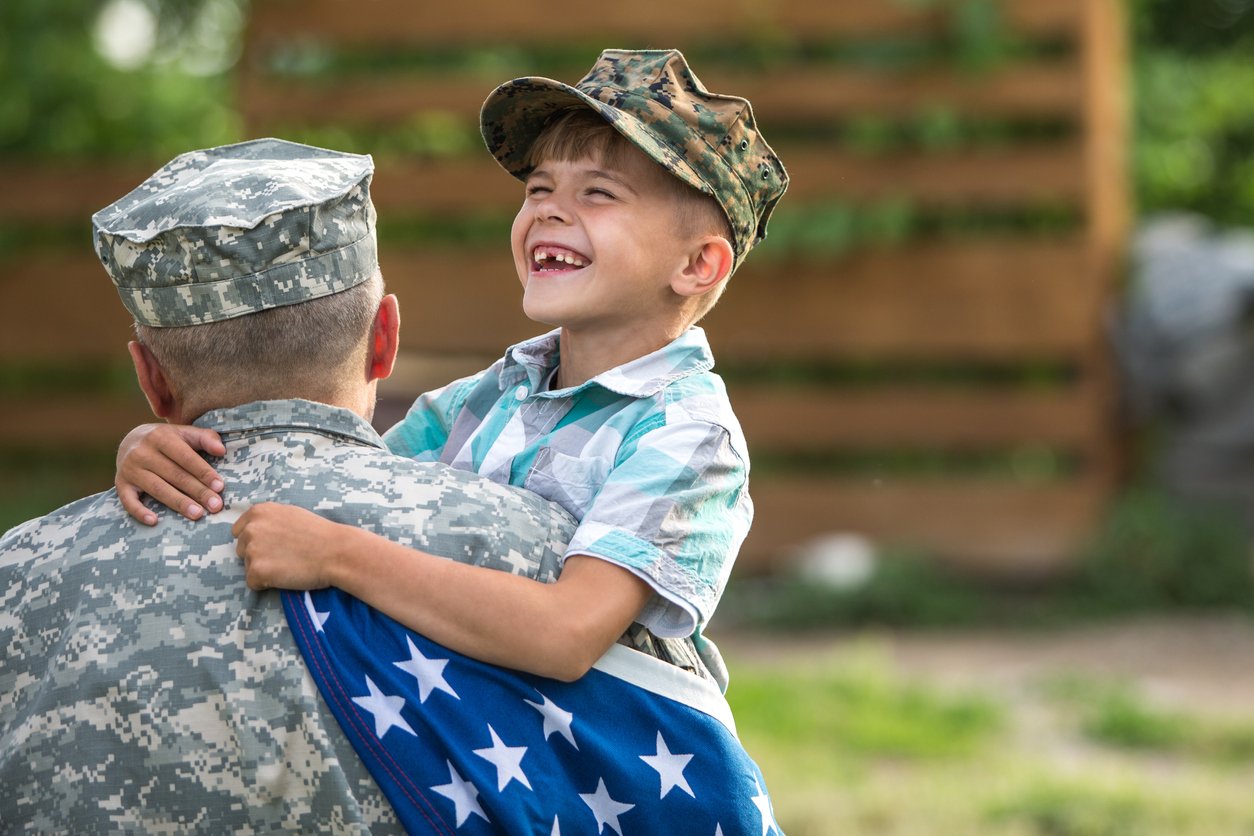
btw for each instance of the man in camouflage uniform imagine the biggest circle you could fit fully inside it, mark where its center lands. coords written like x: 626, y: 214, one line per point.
x: 143, y: 687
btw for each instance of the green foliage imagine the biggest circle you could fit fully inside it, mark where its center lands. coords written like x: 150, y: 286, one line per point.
x: 1198, y: 27
x: 830, y: 230
x: 60, y: 98
x: 1154, y: 550
x: 903, y: 590
x: 1195, y: 146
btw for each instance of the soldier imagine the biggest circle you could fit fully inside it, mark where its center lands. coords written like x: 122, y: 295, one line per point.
x: 143, y: 686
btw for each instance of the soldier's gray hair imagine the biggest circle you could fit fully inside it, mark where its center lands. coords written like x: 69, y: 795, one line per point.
x: 304, y: 350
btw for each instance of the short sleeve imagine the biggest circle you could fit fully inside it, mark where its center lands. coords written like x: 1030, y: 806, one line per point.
x: 674, y: 510
x: 423, y: 432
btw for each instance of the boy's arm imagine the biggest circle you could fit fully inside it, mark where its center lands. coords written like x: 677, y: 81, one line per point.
x: 674, y: 510
x: 161, y: 460
x: 557, y: 630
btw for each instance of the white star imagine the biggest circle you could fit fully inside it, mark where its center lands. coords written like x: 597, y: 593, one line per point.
x: 763, y: 803
x: 718, y: 830
x: 463, y: 794
x: 555, y: 719
x: 386, y: 710
x: 318, y: 618
x: 670, y: 768
x: 557, y: 828
x: 428, y: 672
x: 506, y: 759
x: 605, y: 808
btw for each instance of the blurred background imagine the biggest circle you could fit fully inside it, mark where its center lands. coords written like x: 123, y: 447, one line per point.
x: 994, y: 360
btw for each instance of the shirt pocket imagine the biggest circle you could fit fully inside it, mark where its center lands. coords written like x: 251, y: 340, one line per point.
x: 571, y: 481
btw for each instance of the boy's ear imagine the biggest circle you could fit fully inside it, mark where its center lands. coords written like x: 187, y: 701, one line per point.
x: 152, y: 380
x: 384, y: 339
x: 709, y: 264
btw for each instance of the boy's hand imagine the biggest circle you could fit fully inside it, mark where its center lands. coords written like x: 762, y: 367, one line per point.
x: 161, y: 461
x: 284, y: 547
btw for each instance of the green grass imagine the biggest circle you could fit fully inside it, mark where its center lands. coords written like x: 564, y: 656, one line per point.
x: 848, y: 746
x: 1114, y: 714
x: 866, y: 710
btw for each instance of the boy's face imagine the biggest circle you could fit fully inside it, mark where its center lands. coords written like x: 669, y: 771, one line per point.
x: 596, y: 246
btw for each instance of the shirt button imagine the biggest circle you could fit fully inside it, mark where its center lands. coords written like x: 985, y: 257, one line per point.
x: 521, y: 393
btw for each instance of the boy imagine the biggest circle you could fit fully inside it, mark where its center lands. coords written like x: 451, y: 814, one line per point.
x: 643, y: 193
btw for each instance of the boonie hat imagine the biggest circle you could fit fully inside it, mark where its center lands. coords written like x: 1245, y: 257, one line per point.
x: 237, y: 229
x: 708, y: 140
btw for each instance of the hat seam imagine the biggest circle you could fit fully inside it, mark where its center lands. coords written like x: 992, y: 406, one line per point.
x: 140, y: 291
x: 101, y: 226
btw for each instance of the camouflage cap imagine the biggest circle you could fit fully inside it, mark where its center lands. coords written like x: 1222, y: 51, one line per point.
x: 234, y: 230
x: 708, y: 140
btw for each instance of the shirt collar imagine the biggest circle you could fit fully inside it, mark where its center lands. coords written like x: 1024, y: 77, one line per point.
x: 643, y: 377
x: 287, y: 415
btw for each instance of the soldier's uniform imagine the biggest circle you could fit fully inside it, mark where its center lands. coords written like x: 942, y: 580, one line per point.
x: 143, y: 686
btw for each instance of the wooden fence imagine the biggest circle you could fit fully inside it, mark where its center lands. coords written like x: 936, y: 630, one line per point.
x: 938, y: 380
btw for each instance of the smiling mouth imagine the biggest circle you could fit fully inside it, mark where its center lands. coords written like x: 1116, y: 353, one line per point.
x: 548, y: 259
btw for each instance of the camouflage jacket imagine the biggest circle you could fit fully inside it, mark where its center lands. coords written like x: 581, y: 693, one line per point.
x: 144, y: 687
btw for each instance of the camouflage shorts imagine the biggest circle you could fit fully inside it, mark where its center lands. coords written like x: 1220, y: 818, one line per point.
x: 681, y: 653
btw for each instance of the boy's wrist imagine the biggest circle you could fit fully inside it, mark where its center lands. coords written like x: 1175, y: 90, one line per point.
x: 337, y: 554
x: 342, y: 551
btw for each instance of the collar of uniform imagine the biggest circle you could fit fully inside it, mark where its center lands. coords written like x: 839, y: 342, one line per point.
x: 687, y: 354
x: 293, y: 414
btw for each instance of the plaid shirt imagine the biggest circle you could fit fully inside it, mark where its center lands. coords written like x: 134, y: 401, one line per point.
x: 647, y: 456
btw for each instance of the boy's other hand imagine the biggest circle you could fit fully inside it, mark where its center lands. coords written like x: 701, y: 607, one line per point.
x: 284, y: 547
x: 161, y: 460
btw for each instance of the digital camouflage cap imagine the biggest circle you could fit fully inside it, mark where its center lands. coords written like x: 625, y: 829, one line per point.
x: 234, y: 230
x: 708, y: 140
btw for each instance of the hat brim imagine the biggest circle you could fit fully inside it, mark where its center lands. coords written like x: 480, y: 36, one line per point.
x: 514, y: 115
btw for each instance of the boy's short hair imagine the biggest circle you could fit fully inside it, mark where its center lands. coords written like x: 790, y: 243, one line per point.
x: 653, y: 99
x: 578, y: 133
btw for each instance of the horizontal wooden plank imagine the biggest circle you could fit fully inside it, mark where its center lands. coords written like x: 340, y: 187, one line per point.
x: 800, y: 419
x: 1042, y: 91
x: 56, y: 307
x: 980, y: 300
x: 996, y: 528
x: 518, y: 24
x: 66, y: 191
x: 418, y: 372
x: 814, y: 95
x: 55, y: 420
x: 1011, y: 298
x: 995, y: 177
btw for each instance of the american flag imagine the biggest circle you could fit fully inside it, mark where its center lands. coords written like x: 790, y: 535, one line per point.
x: 462, y: 747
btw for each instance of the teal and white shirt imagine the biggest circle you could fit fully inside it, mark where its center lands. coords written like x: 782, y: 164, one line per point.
x: 648, y: 457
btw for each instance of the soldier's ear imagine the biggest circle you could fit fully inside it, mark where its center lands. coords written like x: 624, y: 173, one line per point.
x: 152, y: 380
x: 384, y: 339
